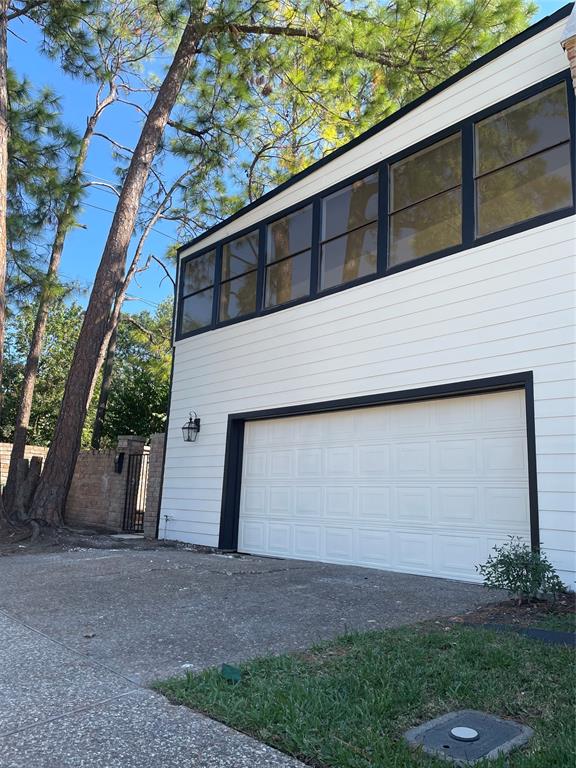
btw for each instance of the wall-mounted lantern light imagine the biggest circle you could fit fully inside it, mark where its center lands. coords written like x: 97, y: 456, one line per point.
x: 191, y: 428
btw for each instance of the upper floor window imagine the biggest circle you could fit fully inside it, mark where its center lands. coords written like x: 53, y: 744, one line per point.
x: 523, y: 161
x: 349, y: 233
x: 426, y: 201
x: 500, y: 171
x: 239, y: 277
x: 289, y: 241
x: 197, y: 292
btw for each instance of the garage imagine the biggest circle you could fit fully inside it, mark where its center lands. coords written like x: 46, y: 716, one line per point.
x: 426, y: 487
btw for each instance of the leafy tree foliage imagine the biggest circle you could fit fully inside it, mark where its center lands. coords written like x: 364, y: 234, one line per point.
x: 138, y: 399
x: 64, y: 324
x: 276, y: 102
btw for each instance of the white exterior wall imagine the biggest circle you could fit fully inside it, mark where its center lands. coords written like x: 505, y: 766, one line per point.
x: 499, y: 308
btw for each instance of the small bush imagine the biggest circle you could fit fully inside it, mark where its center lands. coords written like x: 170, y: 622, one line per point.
x: 521, y: 571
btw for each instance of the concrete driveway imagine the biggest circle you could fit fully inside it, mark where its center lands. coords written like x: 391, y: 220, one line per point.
x: 83, y: 632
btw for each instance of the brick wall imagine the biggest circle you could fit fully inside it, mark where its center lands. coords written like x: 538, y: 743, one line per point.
x: 96, y: 498
x: 6, y: 450
x: 154, y: 485
x: 98, y: 491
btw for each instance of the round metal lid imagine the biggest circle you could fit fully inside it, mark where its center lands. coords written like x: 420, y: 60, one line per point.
x: 463, y: 733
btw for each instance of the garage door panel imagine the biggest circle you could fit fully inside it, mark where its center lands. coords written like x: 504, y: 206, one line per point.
x: 505, y: 455
x: 456, y: 415
x: 503, y: 410
x: 375, y: 460
x: 457, y: 506
x: 339, y: 544
x: 252, y: 536
x: 406, y: 419
x: 309, y: 430
x: 426, y: 487
x: 413, y: 504
x: 307, y: 541
x: 254, y: 499
x: 279, y: 538
x: 340, y: 502
x: 412, y: 459
x: 308, y: 501
x: 309, y: 462
x: 341, y: 429
x: 256, y: 464
x: 455, y: 553
x: 456, y: 457
x: 340, y: 461
x: 282, y: 431
x: 375, y: 502
x: 371, y: 423
x: 507, y: 508
x: 374, y: 548
x: 414, y: 551
x: 281, y: 464
x: 281, y: 501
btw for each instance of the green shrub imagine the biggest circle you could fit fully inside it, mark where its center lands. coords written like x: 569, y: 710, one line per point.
x: 523, y: 572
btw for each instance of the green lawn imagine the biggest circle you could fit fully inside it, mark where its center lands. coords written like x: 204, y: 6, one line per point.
x: 346, y: 704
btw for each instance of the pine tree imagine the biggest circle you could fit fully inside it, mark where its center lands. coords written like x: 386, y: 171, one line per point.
x: 111, y: 52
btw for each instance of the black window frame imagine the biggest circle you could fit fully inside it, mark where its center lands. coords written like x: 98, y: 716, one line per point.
x: 360, y: 176
x: 390, y: 212
x: 478, y: 174
x: 469, y: 238
x: 254, y: 270
x: 182, y: 296
x: 268, y: 264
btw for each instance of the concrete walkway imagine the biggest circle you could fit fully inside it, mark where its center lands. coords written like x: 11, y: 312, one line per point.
x: 82, y: 633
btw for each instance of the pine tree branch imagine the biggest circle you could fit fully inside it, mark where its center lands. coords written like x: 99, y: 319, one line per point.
x: 164, y: 267
x: 311, y: 34
x: 26, y: 8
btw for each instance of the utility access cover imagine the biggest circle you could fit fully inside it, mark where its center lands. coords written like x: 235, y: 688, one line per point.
x: 466, y: 737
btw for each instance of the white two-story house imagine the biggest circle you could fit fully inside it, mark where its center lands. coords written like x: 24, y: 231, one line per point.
x: 381, y: 350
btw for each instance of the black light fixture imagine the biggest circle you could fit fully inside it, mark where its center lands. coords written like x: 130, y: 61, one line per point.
x: 191, y: 428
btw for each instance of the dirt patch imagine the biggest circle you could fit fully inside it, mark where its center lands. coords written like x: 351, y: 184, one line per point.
x: 530, y: 615
x: 20, y: 542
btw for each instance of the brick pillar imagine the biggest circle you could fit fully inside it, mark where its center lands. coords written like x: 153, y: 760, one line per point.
x: 130, y: 444
x: 569, y: 43
x: 154, y: 485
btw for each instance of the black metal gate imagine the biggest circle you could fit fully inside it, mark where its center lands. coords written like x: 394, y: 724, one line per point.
x: 136, y: 485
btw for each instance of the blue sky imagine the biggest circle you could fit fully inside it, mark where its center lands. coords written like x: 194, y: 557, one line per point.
x: 84, y: 245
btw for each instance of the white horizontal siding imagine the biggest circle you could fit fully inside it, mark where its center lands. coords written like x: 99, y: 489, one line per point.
x: 521, y: 67
x: 500, y: 308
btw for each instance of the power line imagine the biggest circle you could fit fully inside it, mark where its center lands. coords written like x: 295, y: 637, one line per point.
x: 107, y: 210
x: 144, y: 301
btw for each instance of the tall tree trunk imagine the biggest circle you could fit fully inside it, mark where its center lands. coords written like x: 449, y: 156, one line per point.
x: 104, y: 390
x: 4, y: 134
x: 50, y: 497
x: 46, y: 295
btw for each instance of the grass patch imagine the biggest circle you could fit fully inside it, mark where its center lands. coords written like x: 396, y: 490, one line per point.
x: 559, y: 622
x: 345, y: 704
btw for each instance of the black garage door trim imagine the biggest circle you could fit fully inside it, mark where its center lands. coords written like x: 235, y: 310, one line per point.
x: 230, y: 512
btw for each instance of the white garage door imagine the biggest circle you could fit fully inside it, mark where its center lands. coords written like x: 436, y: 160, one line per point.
x: 424, y: 487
